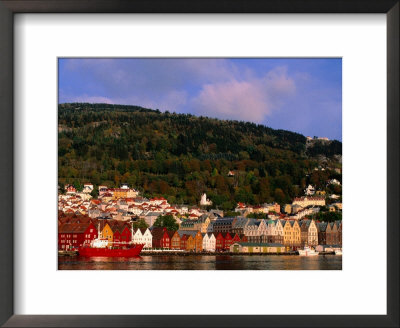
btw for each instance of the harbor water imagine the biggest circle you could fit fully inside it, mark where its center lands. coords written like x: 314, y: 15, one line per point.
x: 203, y: 262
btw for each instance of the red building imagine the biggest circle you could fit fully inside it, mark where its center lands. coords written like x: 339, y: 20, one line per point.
x: 126, y: 234
x: 168, y: 242
x: 116, y: 235
x: 228, y: 240
x: 122, y: 233
x: 74, y: 235
x: 219, y: 242
x: 161, y: 239
x: 236, y: 238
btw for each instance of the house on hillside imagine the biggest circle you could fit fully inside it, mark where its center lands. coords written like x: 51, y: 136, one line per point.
x: 87, y: 188
x: 309, y: 201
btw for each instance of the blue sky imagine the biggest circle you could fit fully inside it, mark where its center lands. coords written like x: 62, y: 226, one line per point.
x: 301, y: 95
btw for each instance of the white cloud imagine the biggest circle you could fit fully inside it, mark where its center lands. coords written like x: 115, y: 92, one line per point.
x: 91, y: 99
x: 251, y: 100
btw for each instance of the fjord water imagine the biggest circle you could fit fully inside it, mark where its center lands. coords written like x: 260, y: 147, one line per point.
x: 204, y: 262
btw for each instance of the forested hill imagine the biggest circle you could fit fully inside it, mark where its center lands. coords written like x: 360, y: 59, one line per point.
x: 180, y: 156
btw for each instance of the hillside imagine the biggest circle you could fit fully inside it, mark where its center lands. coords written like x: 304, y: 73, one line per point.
x: 180, y: 156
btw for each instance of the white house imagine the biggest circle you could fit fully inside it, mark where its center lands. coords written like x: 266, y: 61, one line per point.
x: 195, y: 211
x: 312, y: 235
x: 147, y: 238
x: 209, y: 242
x: 143, y: 236
x: 87, y: 188
x: 84, y: 196
x: 158, y: 201
x: 310, y: 190
x: 334, y: 181
x: 279, y: 228
x: 123, y: 205
x: 182, y: 209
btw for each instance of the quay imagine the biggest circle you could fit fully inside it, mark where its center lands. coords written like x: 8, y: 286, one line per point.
x: 67, y: 253
x: 180, y: 253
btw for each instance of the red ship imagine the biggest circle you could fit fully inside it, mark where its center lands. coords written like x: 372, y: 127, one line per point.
x: 112, y: 251
x: 102, y: 247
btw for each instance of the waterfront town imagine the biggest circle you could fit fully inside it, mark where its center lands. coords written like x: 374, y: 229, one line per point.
x: 122, y: 215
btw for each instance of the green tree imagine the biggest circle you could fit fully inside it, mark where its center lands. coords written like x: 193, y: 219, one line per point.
x: 167, y: 221
x: 140, y: 224
x: 231, y: 214
x: 95, y: 192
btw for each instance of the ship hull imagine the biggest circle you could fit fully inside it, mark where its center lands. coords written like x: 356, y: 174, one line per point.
x: 110, y: 252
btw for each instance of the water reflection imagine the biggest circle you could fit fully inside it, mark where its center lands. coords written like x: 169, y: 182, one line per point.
x: 197, y: 262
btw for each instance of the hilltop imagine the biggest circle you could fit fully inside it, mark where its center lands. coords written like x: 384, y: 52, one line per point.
x: 180, y: 156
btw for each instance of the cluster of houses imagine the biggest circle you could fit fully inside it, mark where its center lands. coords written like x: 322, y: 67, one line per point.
x: 121, y: 204
x: 110, y: 216
x: 203, y: 234
x: 78, y: 231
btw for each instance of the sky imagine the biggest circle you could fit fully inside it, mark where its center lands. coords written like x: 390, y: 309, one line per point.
x: 300, y: 95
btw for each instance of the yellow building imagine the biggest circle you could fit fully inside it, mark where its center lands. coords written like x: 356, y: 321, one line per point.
x: 292, y: 234
x: 124, y: 193
x: 108, y: 233
x: 190, y: 243
x: 309, y: 201
x: 194, y: 242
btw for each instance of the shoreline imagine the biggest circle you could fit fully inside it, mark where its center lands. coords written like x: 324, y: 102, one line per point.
x: 75, y: 253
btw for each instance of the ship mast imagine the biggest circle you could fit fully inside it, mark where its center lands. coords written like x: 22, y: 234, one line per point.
x: 131, y: 232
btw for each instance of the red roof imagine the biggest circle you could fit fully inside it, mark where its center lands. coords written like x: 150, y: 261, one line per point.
x: 74, y: 227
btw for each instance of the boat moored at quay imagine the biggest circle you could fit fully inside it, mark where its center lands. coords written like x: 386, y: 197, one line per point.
x: 307, y: 251
x: 102, y: 247
x: 127, y: 250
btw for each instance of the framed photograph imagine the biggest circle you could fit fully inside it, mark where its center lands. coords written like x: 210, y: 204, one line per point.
x: 148, y: 145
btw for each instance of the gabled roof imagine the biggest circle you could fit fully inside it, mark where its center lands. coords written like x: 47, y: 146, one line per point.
x: 158, y: 232
x: 225, y: 235
x: 73, y: 227
x: 170, y: 234
x: 240, y: 222
x: 322, y: 226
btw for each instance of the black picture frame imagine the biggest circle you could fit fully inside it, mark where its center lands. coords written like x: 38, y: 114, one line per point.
x: 10, y: 7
